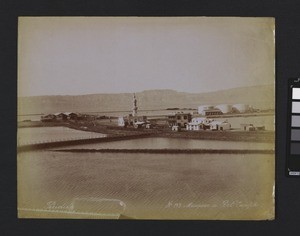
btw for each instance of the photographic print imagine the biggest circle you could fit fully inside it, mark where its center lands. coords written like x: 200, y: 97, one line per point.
x: 146, y: 118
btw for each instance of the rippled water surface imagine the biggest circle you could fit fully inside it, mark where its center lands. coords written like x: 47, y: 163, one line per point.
x: 162, y: 186
x: 49, y: 134
x: 174, y: 143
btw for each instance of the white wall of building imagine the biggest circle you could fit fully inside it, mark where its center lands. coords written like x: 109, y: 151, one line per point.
x: 225, y: 108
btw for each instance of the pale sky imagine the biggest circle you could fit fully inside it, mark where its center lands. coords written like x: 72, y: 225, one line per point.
x: 87, y: 55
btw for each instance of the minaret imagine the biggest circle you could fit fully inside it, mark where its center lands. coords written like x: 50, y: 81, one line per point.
x: 135, y: 108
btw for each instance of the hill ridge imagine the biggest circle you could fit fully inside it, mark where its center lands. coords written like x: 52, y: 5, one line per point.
x: 261, y: 97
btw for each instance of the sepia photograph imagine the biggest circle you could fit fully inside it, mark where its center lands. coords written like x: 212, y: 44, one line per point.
x: 167, y: 118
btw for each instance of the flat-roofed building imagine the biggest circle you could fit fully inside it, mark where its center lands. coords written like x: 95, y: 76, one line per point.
x: 198, y: 123
x: 219, y: 125
x: 180, y: 119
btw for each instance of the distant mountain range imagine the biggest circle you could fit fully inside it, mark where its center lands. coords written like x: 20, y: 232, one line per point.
x: 261, y: 97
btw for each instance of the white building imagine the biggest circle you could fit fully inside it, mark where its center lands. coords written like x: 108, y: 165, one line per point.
x: 198, y: 123
x: 240, y: 108
x: 225, y: 108
x: 212, y: 112
x: 180, y: 118
x: 202, y: 108
x: 209, y: 110
x: 135, y: 121
x: 247, y: 127
x: 176, y: 128
x: 121, y: 122
x: 219, y: 125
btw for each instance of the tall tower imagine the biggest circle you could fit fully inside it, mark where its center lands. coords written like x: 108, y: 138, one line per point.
x: 135, y: 108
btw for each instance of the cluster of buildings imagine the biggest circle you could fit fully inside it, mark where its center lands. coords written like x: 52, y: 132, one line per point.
x: 199, y: 123
x: 64, y: 116
x: 184, y: 120
x: 209, y: 110
x: 176, y: 121
x: 60, y: 116
x: 134, y: 120
x: 179, y: 120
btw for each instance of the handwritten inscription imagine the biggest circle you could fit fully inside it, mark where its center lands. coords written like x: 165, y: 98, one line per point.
x: 240, y: 204
x: 52, y: 205
x: 225, y: 204
x: 84, y: 204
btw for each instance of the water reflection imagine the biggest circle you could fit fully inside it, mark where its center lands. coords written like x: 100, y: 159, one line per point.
x: 106, y: 185
x: 174, y: 143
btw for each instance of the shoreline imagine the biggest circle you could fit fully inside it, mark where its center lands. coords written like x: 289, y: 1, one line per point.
x: 116, y: 133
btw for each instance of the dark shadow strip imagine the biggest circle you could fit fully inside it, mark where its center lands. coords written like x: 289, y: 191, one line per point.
x: 170, y: 151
